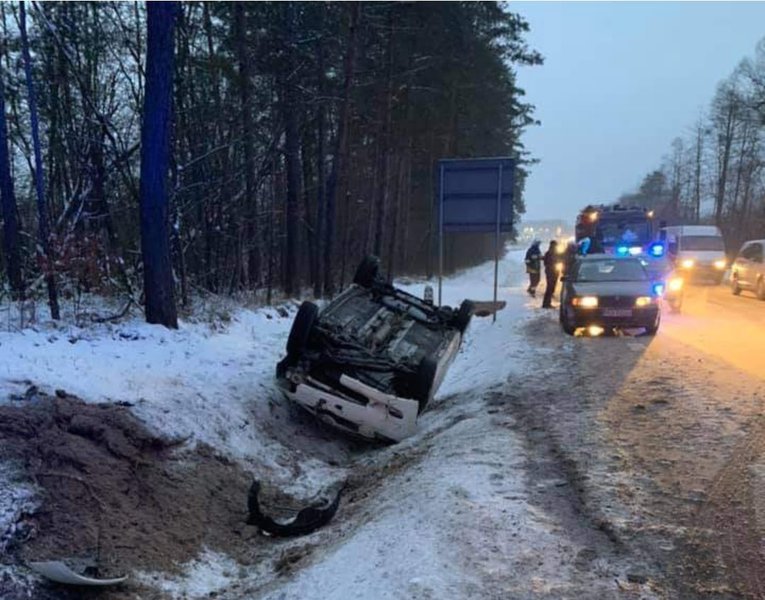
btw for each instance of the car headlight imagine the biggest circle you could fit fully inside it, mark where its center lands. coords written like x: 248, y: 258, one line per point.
x: 643, y: 301
x: 688, y: 263
x: 586, y: 302
x: 675, y: 284
x: 720, y: 264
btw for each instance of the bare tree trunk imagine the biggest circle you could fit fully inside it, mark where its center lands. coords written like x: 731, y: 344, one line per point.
x: 381, y: 207
x: 42, y: 209
x: 155, y: 159
x: 11, y: 238
x: 395, y: 210
x: 318, y: 249
x: 338, y: 162
x: 292, y: 156
x: 248, y: 140
x: 724, y: 162
x: 697, y: 171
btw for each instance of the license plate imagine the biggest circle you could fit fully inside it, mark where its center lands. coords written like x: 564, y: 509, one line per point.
x: 617, y: 312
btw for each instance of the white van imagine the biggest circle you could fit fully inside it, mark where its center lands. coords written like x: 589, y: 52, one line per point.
x: 697, y: 250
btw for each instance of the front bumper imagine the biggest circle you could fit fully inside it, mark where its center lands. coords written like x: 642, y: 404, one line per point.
x: 364, y: 410
x: 638, y: 317
x: 702, y: 272
x: 383, y: 416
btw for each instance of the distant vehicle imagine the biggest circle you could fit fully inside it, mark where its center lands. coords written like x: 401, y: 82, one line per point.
x: 748, y: 270
x: 605, y: 292
x: 616, y: 229
x: 373, y: 358
x: 697, y: 250
x: 669, y: 282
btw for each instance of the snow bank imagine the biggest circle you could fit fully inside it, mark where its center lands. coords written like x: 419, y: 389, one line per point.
x: 217, y: 388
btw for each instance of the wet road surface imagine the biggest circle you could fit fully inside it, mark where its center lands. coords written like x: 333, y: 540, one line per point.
x: 661, y: 442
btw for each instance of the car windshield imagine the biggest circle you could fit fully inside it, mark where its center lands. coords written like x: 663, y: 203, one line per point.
x: 700, y: 243
x: 611, y: 270
x: 658, y: 267
x: 624, y: 232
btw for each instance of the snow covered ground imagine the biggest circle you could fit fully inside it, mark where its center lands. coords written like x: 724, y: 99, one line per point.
x: 453, y: 521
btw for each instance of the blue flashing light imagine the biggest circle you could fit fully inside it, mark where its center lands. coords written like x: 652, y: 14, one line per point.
x: 657, y: 250
x: 658, y: 289
x: 622, y: 250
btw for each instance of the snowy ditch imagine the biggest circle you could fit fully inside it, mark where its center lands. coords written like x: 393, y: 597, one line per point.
x: 438, y: 515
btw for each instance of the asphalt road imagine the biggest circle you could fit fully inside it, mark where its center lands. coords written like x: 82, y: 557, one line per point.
x: 661, y: 442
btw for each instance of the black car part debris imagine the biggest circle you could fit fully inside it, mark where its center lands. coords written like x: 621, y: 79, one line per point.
x: 307, y: 520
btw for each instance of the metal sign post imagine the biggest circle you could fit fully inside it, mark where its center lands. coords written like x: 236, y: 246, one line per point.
x: 496, y: 240
x: 475, y: 195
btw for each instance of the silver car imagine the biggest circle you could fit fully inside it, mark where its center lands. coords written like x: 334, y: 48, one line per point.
x: 748, y: 270
x: 372, y: 359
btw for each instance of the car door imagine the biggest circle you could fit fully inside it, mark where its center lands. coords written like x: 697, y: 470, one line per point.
x: 745, y: 264
x: 757, y: 266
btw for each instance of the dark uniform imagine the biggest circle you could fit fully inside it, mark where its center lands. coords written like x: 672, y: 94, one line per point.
x: 551, y: 273
x: 533, y: 267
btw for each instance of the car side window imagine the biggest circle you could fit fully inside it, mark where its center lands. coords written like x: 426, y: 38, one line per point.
x: 752, y: 252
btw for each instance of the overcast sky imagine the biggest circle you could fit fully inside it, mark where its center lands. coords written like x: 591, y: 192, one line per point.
x: 620, y: 81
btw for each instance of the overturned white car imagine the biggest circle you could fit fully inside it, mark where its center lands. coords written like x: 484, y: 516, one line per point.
x: 373, y: 358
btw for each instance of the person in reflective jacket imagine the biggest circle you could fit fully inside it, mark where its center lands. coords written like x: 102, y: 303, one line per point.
x: 533, y: 266
x: 551, y: 273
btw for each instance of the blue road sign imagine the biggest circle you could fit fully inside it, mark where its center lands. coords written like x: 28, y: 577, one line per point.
x: 476, y: 195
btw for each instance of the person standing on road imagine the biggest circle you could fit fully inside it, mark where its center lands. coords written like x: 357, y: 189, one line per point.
x: 533, y: 266
x: 572, y: 250
x: 551, y: 273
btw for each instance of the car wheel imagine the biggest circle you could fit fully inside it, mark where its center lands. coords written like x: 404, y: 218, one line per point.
x: 761, y: 289
x: 423, y: 381
x: 735, y: 287
x: 463, y: 316
x: 565, y: 325
x: 653, y: 329
x: 417, y: 385
x: 367, y: 271
x: 301, y: 328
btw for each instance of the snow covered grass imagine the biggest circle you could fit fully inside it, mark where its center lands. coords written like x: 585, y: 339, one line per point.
x: 209, y: 381
x: 214, y: 384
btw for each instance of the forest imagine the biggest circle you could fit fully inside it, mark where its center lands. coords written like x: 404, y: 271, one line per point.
x: 715, y: 170
x: 155, y: 151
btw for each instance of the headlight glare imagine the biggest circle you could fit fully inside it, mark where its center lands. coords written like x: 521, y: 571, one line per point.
x: 586, y: 302
x: 676, y: 284
x: 688, y: 263
x: 643, y: 301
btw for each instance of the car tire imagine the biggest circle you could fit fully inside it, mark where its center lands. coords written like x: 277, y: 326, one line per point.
x: 565, y: 325
x: 761, y: 288
x: 423, y: 381
x: 301, y: 328
x: 735, y: 287
x: 417, y: 385
x: 463, y: 316
x: 653, y: 329
x: 367, y: 272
